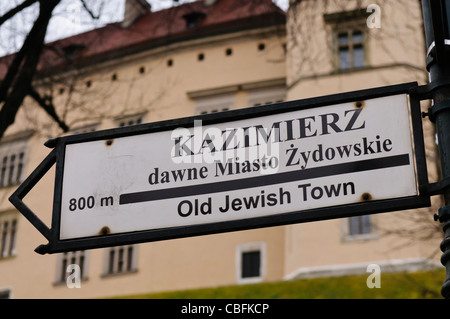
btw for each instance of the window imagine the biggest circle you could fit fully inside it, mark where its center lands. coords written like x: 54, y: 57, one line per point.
x: 193, y: 19
x: 359, y: 225
x: 130, y: 120
x: 85, y: 129
x: 223, y: 98
x: 8, y: 234
x: 359, y: 228
x: 71, y: 258
x: 266, y: 95
x: 350, y: 47
x: 347, y: 28
x: 214, y: 104
x: 250, y: 262
x: 12, y: 161
x: 73, y: 50
x: 5, y: 293
x: 119, y: 260
x: 214, y: 110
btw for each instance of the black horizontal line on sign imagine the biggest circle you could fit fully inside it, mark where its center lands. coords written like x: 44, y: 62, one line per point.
x: 265, y: 180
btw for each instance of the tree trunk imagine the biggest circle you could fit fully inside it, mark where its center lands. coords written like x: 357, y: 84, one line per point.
x: 18, y: 81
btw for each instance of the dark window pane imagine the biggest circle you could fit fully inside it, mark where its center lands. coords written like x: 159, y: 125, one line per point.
x: 112, y: 253
x: 6, y: 294
x: 120, y: 260
x: 12, y: 240
x: 4, y: 238
x: 357, y: 38
x: 343, y: 39
x: 251, y: 263
x: 344, y: 59
x: 130, y: 258
x: 359, y: 225
x: 365, y: 227
x: 358, y: 56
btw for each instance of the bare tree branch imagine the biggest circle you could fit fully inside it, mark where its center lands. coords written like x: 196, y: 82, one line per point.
x: 20, y: 79
x: 47, y: 104
x: 11, y: 13
x: 91, y: 13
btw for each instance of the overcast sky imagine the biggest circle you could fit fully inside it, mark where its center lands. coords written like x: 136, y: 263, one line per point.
x: 69, y: 19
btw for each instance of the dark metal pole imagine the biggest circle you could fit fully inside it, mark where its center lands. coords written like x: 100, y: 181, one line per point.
x: 436, y: 22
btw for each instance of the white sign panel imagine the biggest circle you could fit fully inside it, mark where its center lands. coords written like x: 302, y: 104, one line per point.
x: 288, y: 162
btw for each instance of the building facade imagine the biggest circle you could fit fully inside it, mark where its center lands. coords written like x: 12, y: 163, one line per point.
x: 341, y: 46
x: 199, y: 58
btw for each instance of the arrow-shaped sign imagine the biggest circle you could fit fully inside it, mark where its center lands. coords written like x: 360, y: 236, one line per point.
x: 329, y: 157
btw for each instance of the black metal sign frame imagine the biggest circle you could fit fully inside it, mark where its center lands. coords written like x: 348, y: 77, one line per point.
x: 56, y: 157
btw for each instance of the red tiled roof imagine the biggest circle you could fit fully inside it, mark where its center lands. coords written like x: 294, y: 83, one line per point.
x: 158, y: 28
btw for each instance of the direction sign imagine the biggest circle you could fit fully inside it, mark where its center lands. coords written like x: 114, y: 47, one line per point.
x: 329, y: 157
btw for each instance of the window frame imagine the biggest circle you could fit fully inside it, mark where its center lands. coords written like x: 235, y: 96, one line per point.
x: 350, y: 45
x: 266, y: 95
x: 214, y: 103
x: 112, y: 265
x: 247, y: 248
x: 126, y: 119
x: 79, y: 257
x: 348, y: 236
x: 9, y: 224
x: 6, y: 293
x: 359, y: 225
x: 230, y: 97
x: 85, y: 129
x: 14, y: 149
x: 348, y: 22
